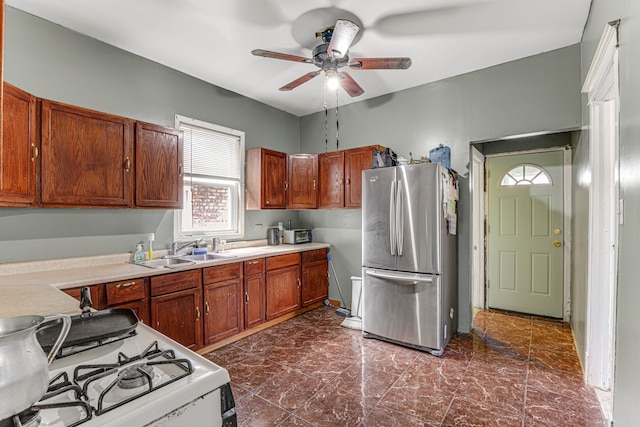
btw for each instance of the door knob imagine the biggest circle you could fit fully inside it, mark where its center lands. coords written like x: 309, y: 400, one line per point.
x: 556, y: 231
x: 557, y: 243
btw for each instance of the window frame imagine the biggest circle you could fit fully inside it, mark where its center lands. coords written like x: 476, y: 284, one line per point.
x: 238, y: 233
x: 526, y: 182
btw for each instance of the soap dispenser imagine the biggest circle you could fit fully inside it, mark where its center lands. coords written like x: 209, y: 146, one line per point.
x: 138, y: 257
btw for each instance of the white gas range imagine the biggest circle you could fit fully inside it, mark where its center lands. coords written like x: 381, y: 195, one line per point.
x: 142, y: 380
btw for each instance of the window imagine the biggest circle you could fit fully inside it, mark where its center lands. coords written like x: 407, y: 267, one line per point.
x: 525, y: 175
x: 213, y: 181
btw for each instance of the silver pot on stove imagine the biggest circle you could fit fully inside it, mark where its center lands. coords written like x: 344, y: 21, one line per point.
x: 24, y: 371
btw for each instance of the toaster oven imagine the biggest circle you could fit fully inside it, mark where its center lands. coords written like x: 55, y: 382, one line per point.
x: 297, y: 236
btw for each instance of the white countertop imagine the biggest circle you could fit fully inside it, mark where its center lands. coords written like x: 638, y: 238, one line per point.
x: 29, y: 289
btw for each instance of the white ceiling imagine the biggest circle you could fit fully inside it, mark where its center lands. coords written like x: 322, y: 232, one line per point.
x: 213, y: 39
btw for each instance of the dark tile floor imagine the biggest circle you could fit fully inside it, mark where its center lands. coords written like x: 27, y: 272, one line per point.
x: 514, y: 370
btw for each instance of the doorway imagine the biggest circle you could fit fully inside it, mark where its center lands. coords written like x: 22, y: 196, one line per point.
x: 525, y: 233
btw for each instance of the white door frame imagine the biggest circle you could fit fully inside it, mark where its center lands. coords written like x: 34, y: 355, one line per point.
x: 605, y: 211
x: 478, y: 215
x: 477, y: 234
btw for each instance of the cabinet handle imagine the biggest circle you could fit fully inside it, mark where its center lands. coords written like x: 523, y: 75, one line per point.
x: 206, y: 306
x: 127, y: 164
x: 286, y: 186
x: 314, y: 184
x: 253, y: 262
x: 298, y: 282
x: 246, y: 297
x: 180, y: 169
x: 348, y: 180
x: 35, y: 152
x: 125, y: 285
x: 197, y: 313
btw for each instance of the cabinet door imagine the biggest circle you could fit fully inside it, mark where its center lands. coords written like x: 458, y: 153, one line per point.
x: 18, y: 148
x: 177, y: 315
x: 266, y: 177
x: 140, y: 308
x: 355, y: 161
x: 223, y: 310
x: 283, y: 291
x: 315, y: 282
x: 158, y: 166
x: 86, y: 157
x: 302, y: 171
x: 331, y: 179
x: 254, y: 300
x: 96, y: 291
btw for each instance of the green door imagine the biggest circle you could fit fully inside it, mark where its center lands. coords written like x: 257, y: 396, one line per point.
x: 525, y: 248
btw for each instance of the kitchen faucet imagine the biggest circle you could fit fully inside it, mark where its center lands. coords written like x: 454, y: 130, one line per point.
x: 175, y: 248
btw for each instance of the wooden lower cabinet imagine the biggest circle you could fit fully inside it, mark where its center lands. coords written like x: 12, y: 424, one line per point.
x: 177, y: 315
x: 254, y: 307
x: 96, y: 291
x: 176, y: 306
x: 223, y: 315
x: 283, y: 285
x: 133, y: 294
x: 223, y: 310
x: 315, y: 277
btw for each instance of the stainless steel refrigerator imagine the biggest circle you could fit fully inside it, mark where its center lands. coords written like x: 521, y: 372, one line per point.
x: 409, y: 256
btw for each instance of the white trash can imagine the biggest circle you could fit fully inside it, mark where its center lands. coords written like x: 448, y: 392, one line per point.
x: 356, y: 296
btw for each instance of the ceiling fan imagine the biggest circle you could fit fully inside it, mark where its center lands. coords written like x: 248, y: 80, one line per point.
x: 333, y: 54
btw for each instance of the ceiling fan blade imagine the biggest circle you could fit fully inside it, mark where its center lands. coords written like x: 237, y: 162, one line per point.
x: 380, y: 63
x: 297, y: 82
x: 349, y: 85
x: 343, y: 34
x: 278, y: 55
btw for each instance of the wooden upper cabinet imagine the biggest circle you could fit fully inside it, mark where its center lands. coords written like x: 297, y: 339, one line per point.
x: 158, y: 165
x: 331, y: 180
x: 18, y: 148
x: 266, y: 179
x: 355, y: 161
x: 302, y: 171
x: 86, y: 158
x: 1, y: 59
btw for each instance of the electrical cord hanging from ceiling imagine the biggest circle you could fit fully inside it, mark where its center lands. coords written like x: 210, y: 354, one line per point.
x: 337, y: 124
x: 326, y: 125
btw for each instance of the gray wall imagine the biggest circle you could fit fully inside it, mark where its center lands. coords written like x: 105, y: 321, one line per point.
x: 53, y: 62
x: 627, y: 373
x: 540, y: 93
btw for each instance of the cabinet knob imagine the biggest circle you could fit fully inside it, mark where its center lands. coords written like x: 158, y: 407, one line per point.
x: 127, y: 164
x: 34, y: 152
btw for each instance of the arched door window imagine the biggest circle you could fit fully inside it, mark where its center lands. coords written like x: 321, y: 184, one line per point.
x: 525, y: 174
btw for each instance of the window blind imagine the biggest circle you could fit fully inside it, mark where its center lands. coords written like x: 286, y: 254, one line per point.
x: 211, y: 153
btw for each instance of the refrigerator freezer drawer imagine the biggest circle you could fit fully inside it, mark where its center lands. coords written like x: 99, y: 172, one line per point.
x: 405, y: 308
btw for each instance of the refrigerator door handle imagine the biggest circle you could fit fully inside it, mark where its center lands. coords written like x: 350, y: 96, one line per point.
x: 392, y: 218
x: 399, y: 278
x: 400, y: 218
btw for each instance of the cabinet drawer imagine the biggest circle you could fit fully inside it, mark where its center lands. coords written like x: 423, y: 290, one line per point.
x: 221, y: 272
x: 254, y: 266
x: 282, y: 261
x: 174, y: 282
x: 314, y: 255
x: 125, y: 291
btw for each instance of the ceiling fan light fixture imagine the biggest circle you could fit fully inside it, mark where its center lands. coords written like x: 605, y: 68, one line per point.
x: 333, y: 81
x: 343, y: 34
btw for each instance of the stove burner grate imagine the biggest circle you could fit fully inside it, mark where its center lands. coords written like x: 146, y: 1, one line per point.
x: 88, y: 375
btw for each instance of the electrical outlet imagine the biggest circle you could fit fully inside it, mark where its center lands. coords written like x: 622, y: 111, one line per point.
x: 257, y: 227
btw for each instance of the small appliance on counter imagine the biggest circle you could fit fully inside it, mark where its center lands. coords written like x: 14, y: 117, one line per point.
x: 297, y: 236
x: 273, y: 236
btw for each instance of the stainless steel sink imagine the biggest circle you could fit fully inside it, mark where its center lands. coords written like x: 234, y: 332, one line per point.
x: 166, y: 263
x: 205, y: 257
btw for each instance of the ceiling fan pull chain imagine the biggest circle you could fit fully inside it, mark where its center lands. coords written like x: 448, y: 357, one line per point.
x: 326, y: 128
x: 337, y: 125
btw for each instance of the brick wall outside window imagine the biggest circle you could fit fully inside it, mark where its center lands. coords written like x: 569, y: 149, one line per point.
x: 210, y: 205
